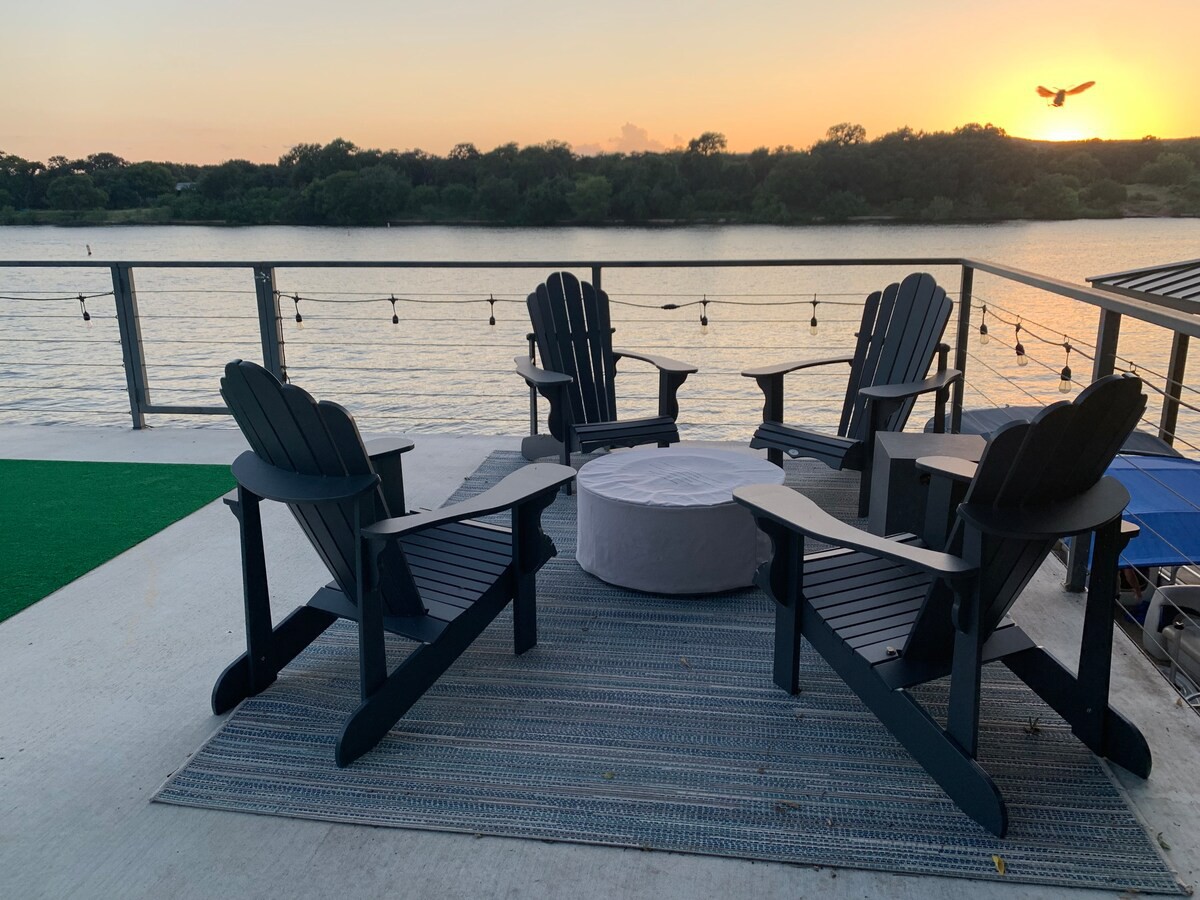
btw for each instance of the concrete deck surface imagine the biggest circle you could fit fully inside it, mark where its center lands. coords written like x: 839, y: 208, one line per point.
x: 104, y: 690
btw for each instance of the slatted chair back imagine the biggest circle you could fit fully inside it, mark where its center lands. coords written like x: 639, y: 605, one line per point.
x: 900, y: 330
x: 1028, y: 466
x: 574, y: 337
x: 290, y: 430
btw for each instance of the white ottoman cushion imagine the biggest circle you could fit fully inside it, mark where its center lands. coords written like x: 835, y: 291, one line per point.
x: 664, y: 520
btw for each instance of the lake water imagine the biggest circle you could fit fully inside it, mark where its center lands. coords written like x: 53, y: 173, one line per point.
x: 443, y: 368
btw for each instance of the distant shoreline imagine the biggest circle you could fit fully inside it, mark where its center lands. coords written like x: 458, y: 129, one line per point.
x: 50, y: 219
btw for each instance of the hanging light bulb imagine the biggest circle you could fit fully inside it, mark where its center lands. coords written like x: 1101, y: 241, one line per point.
x: 492, y: 310
x: 812, y: 323
x: 395, y: 318
x: 299, y: 318
x: 87, y: 316
x: 983, y: 329
x: 704, y: 316
x: 1064, y: 384
x: 1022, y: 359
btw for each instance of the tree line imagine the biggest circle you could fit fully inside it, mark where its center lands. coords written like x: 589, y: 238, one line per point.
x: 973, y: 173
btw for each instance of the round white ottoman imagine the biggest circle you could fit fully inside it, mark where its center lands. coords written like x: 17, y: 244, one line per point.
x: 664, y: 520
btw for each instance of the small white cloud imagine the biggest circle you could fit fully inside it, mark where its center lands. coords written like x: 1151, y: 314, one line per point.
x: 634, y: 139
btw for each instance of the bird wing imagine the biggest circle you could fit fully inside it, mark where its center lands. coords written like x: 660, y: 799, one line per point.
x: 1081, y: 88
x: 1044, y: 92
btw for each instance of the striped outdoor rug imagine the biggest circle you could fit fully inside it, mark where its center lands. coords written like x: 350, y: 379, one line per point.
x: 641, y: 721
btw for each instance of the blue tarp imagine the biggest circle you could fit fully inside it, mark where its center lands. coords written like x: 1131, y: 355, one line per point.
x: 1165, y: 503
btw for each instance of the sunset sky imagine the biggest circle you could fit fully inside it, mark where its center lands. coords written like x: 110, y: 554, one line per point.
x: 205, y: 82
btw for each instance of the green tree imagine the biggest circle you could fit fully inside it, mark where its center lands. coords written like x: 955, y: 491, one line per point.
x: 458, y: 199
x: 546, y: 203
x: 708, y: 144
x: 1051, y: 197
x: 424, y: 201
x: 465, y: 151
x: 75, y: 192
x: 499, y: 198
x: 1167, y: 169
x: 371, y: 196
x: 1104, y: 194
x: 842, y: 205
x: 795, y: 183
x: 590, y: 198
x: 845, y: 134
x: 137, y: 184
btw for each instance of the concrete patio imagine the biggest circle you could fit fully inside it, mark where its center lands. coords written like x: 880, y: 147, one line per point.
x: 106, y: 691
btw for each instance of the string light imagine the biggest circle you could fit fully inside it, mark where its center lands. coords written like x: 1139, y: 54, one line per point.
x: 1022, y: 359
x: 704, y: 315
x: 87, y: 316
x: 1064, y: 384
x: 296, y: 303
x: 491, y: 309
x: 395, y: 318
x: 812, y: 323
x: 983, y: 329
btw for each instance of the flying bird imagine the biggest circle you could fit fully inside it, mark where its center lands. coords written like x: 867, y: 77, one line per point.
x: 1061, y: 94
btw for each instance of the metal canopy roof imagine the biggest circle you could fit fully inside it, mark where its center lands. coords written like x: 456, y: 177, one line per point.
x: 1176, y: 285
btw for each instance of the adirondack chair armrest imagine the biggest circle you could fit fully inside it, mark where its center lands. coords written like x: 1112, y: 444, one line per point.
x: 961, y: 470
x: 784, y: 368
x: 795, y: 511
x: 1097, y: 506
x: 662, y: 363
x: 939, y: 381
x: 540, y: 378
x: 381, y: 448
x: 272, y: 483
x: 513, y: 490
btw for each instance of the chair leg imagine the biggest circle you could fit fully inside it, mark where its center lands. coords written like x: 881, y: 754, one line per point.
x: 787, y: 647
x: 1104, y: 731
x: 564, y: 458
x: 292, y: 635
x: 524, y: 607
x: 377, y: 713
x: 948, y: 763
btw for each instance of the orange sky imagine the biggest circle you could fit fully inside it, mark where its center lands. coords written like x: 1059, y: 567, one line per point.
x: 218, y: 80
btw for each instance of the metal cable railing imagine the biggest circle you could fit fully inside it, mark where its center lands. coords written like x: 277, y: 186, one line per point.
x: 186, y: 331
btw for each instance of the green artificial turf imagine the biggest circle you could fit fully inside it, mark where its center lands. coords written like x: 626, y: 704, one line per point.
x: 59, y: 520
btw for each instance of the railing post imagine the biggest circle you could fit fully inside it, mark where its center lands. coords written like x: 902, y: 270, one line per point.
x: 1174, y: 386
x: 596, y: 277
x: 132, y: 351
x: 960, y: 347
x: 268, y: 321
x: 1107, y: 334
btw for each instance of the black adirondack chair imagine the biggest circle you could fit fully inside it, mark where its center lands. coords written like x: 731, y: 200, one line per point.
x: 891, y: 613
x: 899, y: 334
x: 435, y: 577
x: 573, y: 333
